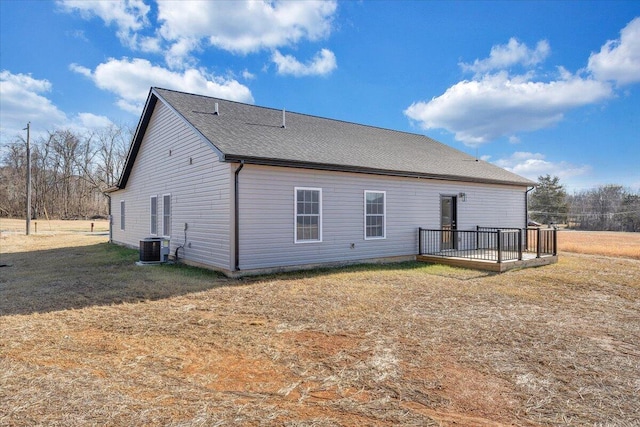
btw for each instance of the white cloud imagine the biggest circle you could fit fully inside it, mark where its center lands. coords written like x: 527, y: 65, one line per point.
x: 184, y: 27
x: 246, y: 26
x: 178, y: 55
x: 78, y: 34
x: 130, y: 80
x: 323, y: 63
x: 128, y: 16
x: 80, y: 70
x: 247, y: 75
x: 496, y: 103
x: 482, y: 110
x: 92, y: 121
x: 533, y: 165
x: 512, y: 53
x: 23, y: 99
x: 85, y: 122
x: 149, y: 44
x: 619, y: 60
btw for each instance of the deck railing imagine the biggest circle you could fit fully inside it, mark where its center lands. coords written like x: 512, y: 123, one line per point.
x: 496, y: 244
x: 542, y: 241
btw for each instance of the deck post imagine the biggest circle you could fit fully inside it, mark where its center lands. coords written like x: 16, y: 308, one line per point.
x: 419, y: 240
x: 555, y: 241
x: 499, y: 244
x: 520, y: 245
x: 538, y: 243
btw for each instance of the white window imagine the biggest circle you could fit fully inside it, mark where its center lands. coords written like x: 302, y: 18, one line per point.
x: 308, y: 213
x: 375, y: 221
x: 121, y: 214
x: 166, y: 215
x: 153, y: 218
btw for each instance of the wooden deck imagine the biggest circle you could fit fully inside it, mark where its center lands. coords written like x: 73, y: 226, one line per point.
x: 489, y: 248
x: 528, y: 260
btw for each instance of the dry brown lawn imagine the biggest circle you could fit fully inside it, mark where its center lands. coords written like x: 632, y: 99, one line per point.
x: 89, y: 338
x: 47, y: 227
x: 608, y: 243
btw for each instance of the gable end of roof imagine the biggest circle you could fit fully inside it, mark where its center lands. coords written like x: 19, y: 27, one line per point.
x: 145, y: 118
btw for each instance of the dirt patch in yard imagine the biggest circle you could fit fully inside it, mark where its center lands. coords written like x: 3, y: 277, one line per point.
x: 98, y: 340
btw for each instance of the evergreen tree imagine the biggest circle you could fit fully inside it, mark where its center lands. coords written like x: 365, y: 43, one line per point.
x: 548, y: 202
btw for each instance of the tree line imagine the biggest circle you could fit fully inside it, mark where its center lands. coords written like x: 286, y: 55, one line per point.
x: 608, y: 207
x: 70, y: 172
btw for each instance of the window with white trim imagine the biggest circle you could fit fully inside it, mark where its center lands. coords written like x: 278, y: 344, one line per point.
x: 153, y: 217
x: 308, y: 213
x: 121, y: 214
x: 166, y: 215
x: 375, y: 220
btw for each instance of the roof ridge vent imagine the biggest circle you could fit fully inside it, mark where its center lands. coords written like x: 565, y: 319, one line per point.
x: 215, y: 109
x: 284, y: 124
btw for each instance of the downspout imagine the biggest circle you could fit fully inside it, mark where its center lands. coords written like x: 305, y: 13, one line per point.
x: 526, y: 206
x: 236, y: 213
x: 110, y: 217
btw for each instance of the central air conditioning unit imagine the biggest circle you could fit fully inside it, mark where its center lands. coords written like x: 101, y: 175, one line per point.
x: 154, y: 250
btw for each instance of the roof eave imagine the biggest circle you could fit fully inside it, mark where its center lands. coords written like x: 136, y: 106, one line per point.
x: 149, y: 105
x: 111, y: 189
x: 372, y: 171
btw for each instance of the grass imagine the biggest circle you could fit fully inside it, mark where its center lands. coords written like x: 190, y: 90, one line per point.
x: 47, y: 227
x: 608, y: 243
x: 87, y: 337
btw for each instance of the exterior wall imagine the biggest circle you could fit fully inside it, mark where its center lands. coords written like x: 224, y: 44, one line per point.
x: 267, y: 214
x: 174, y: 160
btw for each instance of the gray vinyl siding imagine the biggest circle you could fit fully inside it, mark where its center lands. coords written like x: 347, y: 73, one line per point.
x: 174, y: 161
x: 267, y: 214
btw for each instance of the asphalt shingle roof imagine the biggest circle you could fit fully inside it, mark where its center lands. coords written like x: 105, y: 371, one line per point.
x: 255, y: 134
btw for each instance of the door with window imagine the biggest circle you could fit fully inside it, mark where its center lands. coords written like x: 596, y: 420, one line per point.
x: 448, y: 220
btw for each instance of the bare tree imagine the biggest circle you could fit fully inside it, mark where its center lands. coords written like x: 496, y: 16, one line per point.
x: 608, y: 207
x: 13, y: 180
x: 113, y: 144
x: 70, y: 172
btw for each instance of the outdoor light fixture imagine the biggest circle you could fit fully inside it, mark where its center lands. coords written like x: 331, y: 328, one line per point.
x: 463, y: 196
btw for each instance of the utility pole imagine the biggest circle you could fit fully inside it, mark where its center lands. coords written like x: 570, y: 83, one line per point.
x: 28, y: 179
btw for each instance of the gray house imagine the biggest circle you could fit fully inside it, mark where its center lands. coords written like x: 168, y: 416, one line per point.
x: 241, y: 188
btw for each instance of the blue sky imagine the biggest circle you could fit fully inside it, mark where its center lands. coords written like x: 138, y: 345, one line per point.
x: 535, y: 87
